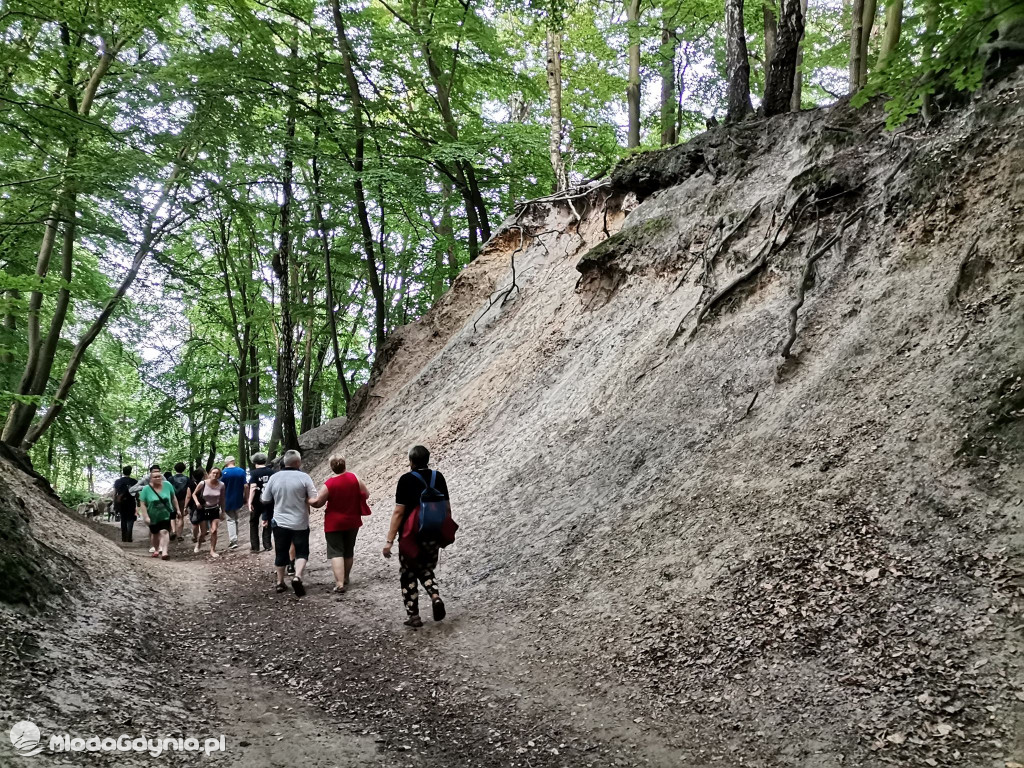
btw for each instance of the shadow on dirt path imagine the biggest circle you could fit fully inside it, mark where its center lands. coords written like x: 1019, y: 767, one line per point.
x: 338, y: 680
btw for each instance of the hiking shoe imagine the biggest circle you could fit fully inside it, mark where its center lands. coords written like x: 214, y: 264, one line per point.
x: 233, y: 545
x: 413, y: 621
x: 297, y: 585
x: 280, y: 588
x: 290, y: 569
x: 152, y: 550
x: 438, y: 608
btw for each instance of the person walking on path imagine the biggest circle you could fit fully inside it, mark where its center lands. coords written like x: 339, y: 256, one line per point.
x: 125, y: 504
x: 345, y: 496
x: 180, y: 481
x: 235, y: 492
x: 290, y: 490
x: 159, y: 506
x: 210, y: 493
x: 260, y: 511
x: 194, y: 507
x: 417, y: 551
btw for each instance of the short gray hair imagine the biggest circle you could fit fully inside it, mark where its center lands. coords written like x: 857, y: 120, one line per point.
x: 258, y: 458
x: 292, y: 458
x: 419, y: 455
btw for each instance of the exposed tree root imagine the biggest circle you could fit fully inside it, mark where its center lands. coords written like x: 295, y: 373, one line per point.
x: 504, y: 293
x: 801, y: 289
x: 709, y: 259
x: 759, y: 263
x: 750, y: 407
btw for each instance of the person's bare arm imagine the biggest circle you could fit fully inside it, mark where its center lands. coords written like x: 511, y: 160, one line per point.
x: 252, y: 492
x: 177, y: 507
x: 364, y: 490
x: 144, y: 510
x: 396, y: 523
x: 320, y: 499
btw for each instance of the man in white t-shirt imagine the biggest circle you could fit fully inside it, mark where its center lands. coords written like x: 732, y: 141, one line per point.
x: 290, y: 491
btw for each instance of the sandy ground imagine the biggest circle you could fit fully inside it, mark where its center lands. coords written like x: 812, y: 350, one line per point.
x: 324, y: 680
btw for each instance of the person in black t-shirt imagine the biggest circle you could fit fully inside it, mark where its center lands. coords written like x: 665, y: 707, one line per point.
x: 194, y: 505
x: 125, y: 504
x: 180, y: 482
x: 260, y: 511
x: 421, y: 567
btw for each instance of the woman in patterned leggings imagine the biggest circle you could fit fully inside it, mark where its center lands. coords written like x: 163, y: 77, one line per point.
x: 417, y: 559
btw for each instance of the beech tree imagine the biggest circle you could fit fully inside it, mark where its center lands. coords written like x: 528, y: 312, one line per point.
x: 737, y: 62
x: 780, y: 81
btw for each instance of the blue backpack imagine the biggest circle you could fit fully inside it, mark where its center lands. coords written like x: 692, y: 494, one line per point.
x: 433, y: 507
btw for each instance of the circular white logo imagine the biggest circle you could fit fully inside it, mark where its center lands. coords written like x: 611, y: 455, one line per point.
x: 25, y: 738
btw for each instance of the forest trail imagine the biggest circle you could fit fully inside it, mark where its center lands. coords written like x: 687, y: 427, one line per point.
x: 339, y: 681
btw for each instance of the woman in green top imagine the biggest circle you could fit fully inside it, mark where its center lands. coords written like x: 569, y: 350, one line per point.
x: 159, y: 505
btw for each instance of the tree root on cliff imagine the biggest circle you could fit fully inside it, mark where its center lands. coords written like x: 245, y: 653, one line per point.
x: 812, y: 257
x: 504, y: 293
x: 759, y: 263
x: 709, y: 260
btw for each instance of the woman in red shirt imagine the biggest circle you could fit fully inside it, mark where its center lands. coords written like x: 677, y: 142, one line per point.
x: 345, y: 496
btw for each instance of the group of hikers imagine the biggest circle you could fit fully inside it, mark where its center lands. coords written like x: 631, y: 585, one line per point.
x: 278, y: 502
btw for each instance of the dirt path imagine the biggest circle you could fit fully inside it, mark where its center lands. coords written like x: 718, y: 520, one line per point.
x: 339, y: 681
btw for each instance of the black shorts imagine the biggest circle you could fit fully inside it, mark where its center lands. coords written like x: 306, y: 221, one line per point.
x: 283, y: 539
x: 210, y: 513
x: 341, y: 543
x: 163, y: 525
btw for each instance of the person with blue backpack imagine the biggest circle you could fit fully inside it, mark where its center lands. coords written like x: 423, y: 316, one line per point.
x: 423, y: 523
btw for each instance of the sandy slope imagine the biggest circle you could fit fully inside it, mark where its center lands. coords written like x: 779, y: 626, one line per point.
x: 822, y: 576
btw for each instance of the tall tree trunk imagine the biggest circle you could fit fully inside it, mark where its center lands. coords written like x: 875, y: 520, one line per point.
x: 737, y: 62
x: 633, y: 77
x: 325, y: 243
x: 796, y: 102
x: 867, y: 25
x: 478, y: 202
x: 151, y: 235
x: 465, y: 173
x: 857, y: 51
x: 282, y: 264
x: 346, y: 392
x: 39, y: 361
x: 669, y: 44
x: 554, y: 72
x: 446, y: 231
x: 254, y: 399
x: 373, y: 276
x: 11, y: 329
x: 306, y: 413
x: 931, y: 26
x: 771, y: 30
x: 275, y: 430
x: 778, y: 92
x: 893, y: 28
